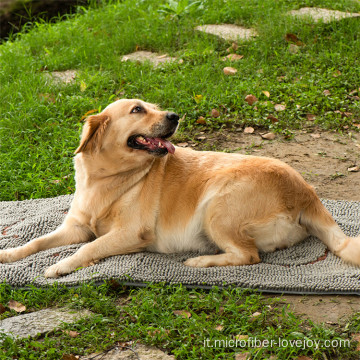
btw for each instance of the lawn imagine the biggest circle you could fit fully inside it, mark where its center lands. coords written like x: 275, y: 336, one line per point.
x: 40, y: 123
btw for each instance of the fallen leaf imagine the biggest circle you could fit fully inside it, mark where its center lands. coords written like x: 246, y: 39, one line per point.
x: 18, y: 307
x: 248, y: 130
x: 256, y: 314
x: 183, y: 313
x: 234, y: 46
x: 353, y: 169
x: 315, y: 136
x: 243, y: 356
x: 233, y: 57
x: 69, y: 357
x: 83, y: 86
x: 273, y: 119
x: 269, y: 136
x: 184, y: 144
x: 353, y: 91
x: 198, y: 98
x: 201, y: 137
x: 229, y: 70
x: 310, y: 117
x: 356, y: 337
x: 280, y: 107
x: 241, y: 337
x: 251, y: 99
x: 266, y: 93
x: 336, y: 73
x: 2, y: 308
x: 281, y: 78
x: 154, y: 332
x: 326, y: 93
x: 293, y: 38
x: 71, y: 333
x: 215, y: 113
x: 347, y: 114
x: 88, y: 113
x: 219, y: 328
x: 303, y: 357
x: 201, y: 120
x: 357, y: 125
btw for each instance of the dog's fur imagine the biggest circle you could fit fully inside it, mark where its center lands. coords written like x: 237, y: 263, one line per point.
x: 130, y: 197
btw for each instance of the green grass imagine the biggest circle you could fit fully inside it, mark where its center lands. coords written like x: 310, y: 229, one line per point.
x: 40, y: 124
x: 122, y: 314
x: 40, y: 120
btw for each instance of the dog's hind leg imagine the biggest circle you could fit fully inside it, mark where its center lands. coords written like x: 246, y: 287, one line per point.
x: 70, y: 232
x: 238, y: 247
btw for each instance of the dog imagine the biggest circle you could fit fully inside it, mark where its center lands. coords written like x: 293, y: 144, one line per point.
x: 136, y: 191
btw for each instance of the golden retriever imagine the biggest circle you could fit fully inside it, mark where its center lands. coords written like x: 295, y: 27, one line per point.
x: 135, y: 191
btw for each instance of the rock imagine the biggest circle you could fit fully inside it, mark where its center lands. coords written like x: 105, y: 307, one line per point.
x: 143, y: 56
x: 65, y: 77
x: 319, y: 14
x: 228, y: 32
x: 39, y: 322
x: 139, y: 351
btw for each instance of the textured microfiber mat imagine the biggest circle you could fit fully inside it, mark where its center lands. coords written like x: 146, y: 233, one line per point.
x: 305, y: 268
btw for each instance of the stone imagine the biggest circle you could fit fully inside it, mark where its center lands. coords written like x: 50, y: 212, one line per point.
x: 319, y: 14
x: 65, y: 77
x: 143, y: 56
x: 39, y: 322
x: 139, y: 351
x: 228, y: 32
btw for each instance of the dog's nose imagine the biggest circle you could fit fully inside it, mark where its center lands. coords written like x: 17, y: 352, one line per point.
x: 174, y: 118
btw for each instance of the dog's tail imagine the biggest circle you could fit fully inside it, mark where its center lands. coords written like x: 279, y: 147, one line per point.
x: 320, y: 223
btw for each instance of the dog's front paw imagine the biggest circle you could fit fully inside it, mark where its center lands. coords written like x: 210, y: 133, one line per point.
x: 196, y: 262
x: 61, y: 268
x: 8, y: 256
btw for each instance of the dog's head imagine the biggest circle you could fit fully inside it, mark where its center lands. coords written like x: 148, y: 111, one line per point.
x: 129, y: 126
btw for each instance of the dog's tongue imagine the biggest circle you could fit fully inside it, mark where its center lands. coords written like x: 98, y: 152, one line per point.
x: 170, y: 147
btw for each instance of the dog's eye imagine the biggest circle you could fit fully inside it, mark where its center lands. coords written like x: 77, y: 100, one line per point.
x: 136, y: 109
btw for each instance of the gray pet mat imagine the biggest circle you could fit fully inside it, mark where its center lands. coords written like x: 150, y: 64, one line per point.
x: 305, y: 268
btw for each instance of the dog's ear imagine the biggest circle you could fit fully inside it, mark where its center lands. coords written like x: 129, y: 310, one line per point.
x: 93, y: 133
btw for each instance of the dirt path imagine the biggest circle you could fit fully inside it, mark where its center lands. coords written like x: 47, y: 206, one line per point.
x: 322, y: 160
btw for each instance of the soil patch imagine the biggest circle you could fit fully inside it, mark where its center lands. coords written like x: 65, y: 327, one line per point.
x: 328, y: 309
